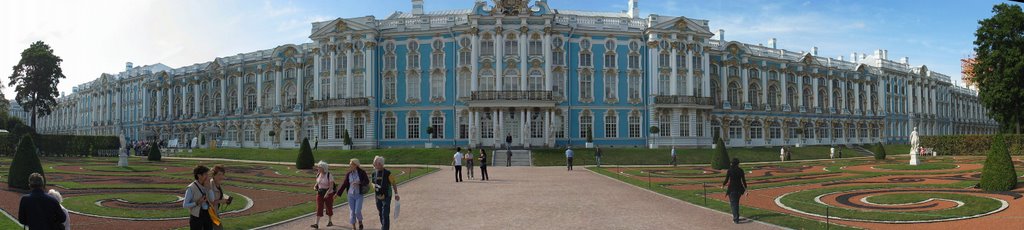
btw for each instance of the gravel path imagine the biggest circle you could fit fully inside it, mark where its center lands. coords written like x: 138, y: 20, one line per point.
x: 534, y: 198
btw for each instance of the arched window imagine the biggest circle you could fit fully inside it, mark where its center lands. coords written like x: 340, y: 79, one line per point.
x: 611, y: 85
x: 412, y: 86
x: 289, y: 96
x: 734, y: 93
x: 773, y: 96
x: 735, y: 129
x: 390, y: 88
x: 586, y: 85
x: 437, y: 86
x: 754, y: 94
x: 756, y: 130
x: 250, y: 100
x: 510, y: 82
x: 775, y: 130
x: 465, y: 84
x: 535, y: 80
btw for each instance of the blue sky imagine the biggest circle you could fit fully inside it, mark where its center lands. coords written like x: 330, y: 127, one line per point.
x: 95, y: 37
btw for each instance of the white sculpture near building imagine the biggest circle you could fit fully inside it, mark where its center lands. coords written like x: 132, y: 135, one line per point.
x: 122, y: 151
x: 914, y: 144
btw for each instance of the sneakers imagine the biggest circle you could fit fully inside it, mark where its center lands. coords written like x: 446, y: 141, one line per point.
x: 315, y: 226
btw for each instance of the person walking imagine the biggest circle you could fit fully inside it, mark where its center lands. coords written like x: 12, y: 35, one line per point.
x: 60, y: 200
x: 469, y: 163
x: 457, y: 162
x: 675, y: 162
x: 196, y: 200
x: 384, y: 186
x: 356, y: 182
x: 508, y: 141
x: 832, y: 152
x: 597, y: 155
x: 508, y: 160
x: 568, y: 157
x: 217, y: 196
x: 737, y: 182
x: 782, y: 153
x: 38, y: 210
x: 316, y: 142
x: 483, y: 165
x: 326, y: 188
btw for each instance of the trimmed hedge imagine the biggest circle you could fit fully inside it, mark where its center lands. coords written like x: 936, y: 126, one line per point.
x: 976, y: 145
x: 879, y: 151
x: 25, y: 162
x: 305, y: 158
x: 721, y: 158
x: 998, y: 174
x: 76, y: 145
x: 154, y: 153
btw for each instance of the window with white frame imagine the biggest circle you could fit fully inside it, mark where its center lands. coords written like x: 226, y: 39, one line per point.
x: 664, y: 82
x: 289, y: 133
x: 792, y: 128
x: 250, y: 135
x: 390, y: 87
x: 412, y: 126
x: 437, y: 121
x: 487, y: 46
x: 358, y: 127
x: 684, y: 124
x: 341, y: 62
x: 487, y: 80
x: 250, y: 100
x: 585, y: 59
x: 437, y: 86
x: 325, y: 129
x: 511, y: 45
x: 339, y: 127
x: 735, y: 130
x: 634, y: 86
x: 664, y: 124
x: 535, y: 81
x: 389, y: 126
x: 486, y: 125
x: 634, y: 61
x: 465, y: 84
x: 611, y: 85
x: 558, y: 85
x: 586, y: 85
x: 463, y: 127
x: 558, y: 126
x: 775, y: 131
x: 611, y: 125
x: 510, y: 82
x: 325, y: 92
x: 700, y: 124
x: 609, y: 60
x: 358, y: 62
x: 535, y: 47
x: 837, y: 130
x: 437, y: 61
x: 634, y: 125
x: 536, y: 125
x: 558, y: 58
x: 586, y: 123
x: 412, y: 86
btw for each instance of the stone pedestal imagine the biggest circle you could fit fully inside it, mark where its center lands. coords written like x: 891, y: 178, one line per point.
x: 913, y: 159
x: 122, y: 160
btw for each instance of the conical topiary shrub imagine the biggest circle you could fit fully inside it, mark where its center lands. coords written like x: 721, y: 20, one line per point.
x: 24, y: 163
x: 880, y: 151
x: 154, y: 153
x: 305, y: 158
x: 721, y: 158
x: 998, y: 174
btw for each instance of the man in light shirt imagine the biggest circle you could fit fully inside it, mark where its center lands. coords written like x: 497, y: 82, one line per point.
x: 674, y: 162
x: 568, y: 157
x: 457, y: 162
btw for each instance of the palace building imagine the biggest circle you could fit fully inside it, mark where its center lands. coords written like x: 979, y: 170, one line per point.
x: 547, y: 77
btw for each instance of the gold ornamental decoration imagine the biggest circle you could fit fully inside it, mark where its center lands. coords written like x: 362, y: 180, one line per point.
x: 510, y: 7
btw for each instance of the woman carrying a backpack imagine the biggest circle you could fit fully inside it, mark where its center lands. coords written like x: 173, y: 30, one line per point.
x: 356, y: 182
x: 325, y: 190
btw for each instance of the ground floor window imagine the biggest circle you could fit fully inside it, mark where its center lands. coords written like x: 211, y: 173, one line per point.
x: 438, y: 123
x: 389, y: 128
x: 358, y: 128
x: 634, y: 126
x: 339, y: 127
x: 735, y: 130
x: 486, y: 125
x: 536, y: 126
x: 289, y: 134
x: 611, y: 126
x: 775, y: 132
x: 756, y: 130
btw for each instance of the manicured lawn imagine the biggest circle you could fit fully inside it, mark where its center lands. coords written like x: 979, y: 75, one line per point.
x: 87, y: 204
x: 638, y: 156
x: 896, y: 149
x: 8, y: 223
x: 974, y: 205
x: 136, y: 168
x: 923, y: 166
x: 333, y: 156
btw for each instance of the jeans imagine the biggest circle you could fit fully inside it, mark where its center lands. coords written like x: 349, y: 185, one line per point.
x: 483, y: 172
x: 569, y: 162
x: 384, y: 209
x: 201, y: 222
x: 734, y: 203
x: 469, y: 169
x: 598, y: 162
x: 458, y: 173
x: 355, y: 205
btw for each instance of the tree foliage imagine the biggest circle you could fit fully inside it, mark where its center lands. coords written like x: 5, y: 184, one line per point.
x: 154, y: 153
x: 35, y: 80
x: 879, y: 151
x: 998, y: 173
x: 1000, y: 64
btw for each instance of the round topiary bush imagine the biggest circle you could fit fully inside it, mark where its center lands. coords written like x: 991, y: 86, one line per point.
x: 305, y: 158
x: 721, y: 158
x: 879, y: 151
x: 24, y: 163
x: 154, y: 153
x: 998, y: 173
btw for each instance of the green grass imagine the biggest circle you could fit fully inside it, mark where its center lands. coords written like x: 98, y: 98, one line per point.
x: 896, y: 149
x: 87, y: 204
x: 334, y: 156
x: 924, y: 166
x: 640, y: 156
x: 696, y: 198
x: 974, y: 205
x: 137, y: 168
x: 8, y: 223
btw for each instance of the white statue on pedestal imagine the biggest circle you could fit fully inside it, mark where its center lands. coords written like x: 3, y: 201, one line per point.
x: 122, y: 160
x: 782, y: 154
x: 915, y: 142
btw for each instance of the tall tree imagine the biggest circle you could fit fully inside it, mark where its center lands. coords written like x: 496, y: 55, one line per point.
x: 35, y: 80
x: 999, y: 67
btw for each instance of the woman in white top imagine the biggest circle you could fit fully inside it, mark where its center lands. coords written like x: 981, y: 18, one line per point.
x: 469, y: 163
x: 325, y: 191
x: 60, y: 199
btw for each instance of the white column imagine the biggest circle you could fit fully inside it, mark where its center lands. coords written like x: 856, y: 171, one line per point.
x: 764, y: 86
x: 223, y: 95
x: 652, y: 54
x: 524, y: 127
x: 239, y: 95
x: 332, y: 88
x: 856, y: 97
x: 724, y: 85
x: 673, y: 81
x: 814, y: 91
x: 523, y: 58
x: 474, y: 59
x: 689, y: 73
x: 745, y: 80
x: 301, y: 94
x: 184, y: 95
x: 548, y: 78
x: 494, y: 127
x: 349, y: 65
x: 499, y: 65
x: 368, y: 72
x: 195, y: 100
x: 785, y: 90
x: 277, y: 88
x: 316, y: 78
x: 547, y: 127
x: 159, y: 103
x: 170, y: 102
x: 145, y: 108
x: 706, y: 80
x: 259, y: 89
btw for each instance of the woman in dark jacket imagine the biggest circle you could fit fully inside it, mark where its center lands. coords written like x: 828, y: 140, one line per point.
x: 356, y: 182
x: 737, y: 186
x: 483, y: 165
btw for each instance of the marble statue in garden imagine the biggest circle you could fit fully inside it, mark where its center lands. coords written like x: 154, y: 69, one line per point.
x: 122, y: 153
x: 915, y: 142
